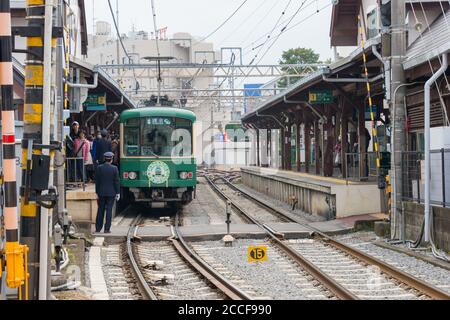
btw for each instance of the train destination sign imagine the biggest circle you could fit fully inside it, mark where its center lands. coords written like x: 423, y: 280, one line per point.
x: 257, y: 253
x: 320, y: 96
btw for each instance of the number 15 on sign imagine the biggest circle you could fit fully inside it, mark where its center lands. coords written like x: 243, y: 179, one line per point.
x: 257, y: 253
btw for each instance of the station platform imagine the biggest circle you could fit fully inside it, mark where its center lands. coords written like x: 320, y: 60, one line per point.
x: 326, y: 197
x: 82, y: 204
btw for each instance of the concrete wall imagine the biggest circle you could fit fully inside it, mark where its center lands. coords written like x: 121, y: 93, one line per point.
x: 441, y: 223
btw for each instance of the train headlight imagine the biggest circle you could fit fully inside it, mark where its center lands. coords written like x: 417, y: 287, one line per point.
x: 185, y: 175
x: 132, y: 175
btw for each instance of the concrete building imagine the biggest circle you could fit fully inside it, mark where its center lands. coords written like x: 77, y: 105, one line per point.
x: 104, y: 49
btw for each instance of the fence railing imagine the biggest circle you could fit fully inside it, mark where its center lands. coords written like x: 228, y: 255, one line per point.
x: 360, y: 166
x: 413, y: 177
x: 75, y: 173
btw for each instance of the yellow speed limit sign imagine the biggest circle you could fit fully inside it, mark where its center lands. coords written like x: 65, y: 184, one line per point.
x: 257, y: 253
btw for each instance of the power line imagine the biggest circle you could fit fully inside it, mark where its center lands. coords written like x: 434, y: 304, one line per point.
x: 223, y: 23
x: 258, y: 24
x: 293, y: 26
x: 283, y: 29
x: 121, y: 43
x: 117, y: 30
x: 270, y: 33
x: 243, y: 22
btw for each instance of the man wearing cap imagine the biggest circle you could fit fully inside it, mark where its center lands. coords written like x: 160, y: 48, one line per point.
x: 108, y: 189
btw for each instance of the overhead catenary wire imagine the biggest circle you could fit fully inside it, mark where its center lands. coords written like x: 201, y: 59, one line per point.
x: 121, y: 43
x: 281, y: 22
x: 258, y: 24
x: 282, y: 30
x: 224, y: 22
x: 268, y: 37
x: 244, y: 21
x: 296, y: 25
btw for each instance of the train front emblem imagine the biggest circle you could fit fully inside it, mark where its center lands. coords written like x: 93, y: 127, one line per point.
x: 158, y: 172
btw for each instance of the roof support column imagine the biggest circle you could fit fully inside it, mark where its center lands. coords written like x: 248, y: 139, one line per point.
x: 307, y: 132
x: 258, y: 159
x: 298, y: 138
x: 317, y: 146
x: 344, y: 139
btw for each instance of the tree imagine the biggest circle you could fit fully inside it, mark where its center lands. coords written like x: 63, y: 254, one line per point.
x: 297, y: 56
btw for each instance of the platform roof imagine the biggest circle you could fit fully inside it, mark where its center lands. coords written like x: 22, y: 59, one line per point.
x: 347, y: 65
x: 105, y: 84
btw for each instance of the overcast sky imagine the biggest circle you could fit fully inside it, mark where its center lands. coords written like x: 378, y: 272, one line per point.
x: 247, y: 29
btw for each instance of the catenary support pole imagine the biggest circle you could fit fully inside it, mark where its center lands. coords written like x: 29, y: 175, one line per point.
x: 398, y: 45
x: 46, y: 131
x: 34, y: 81
x: 427, y: 98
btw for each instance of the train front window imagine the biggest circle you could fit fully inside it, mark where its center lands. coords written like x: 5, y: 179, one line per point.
x: 158, y: 137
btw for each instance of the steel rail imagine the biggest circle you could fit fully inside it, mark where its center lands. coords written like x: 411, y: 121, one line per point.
x: 225, y: 286
x: 145, y: 290
x: 337, y: 289
x: 403, y: 277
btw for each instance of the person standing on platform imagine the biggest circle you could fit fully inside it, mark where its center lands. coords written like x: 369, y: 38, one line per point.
x: 107, y: 189
x: 82, y: 147
x: 102, y: 146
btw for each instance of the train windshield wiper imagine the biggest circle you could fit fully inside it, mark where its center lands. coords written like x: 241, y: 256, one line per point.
x: 154, y: 154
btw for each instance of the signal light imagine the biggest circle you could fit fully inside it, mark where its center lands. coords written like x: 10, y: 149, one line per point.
x: 125, y: 175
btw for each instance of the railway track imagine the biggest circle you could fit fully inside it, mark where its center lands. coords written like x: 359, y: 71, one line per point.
x: 375, y: 279
x: 172, y: 270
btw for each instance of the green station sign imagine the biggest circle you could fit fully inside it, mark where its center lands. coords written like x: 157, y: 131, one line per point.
x: 95, y: 102
x: 321, y: 96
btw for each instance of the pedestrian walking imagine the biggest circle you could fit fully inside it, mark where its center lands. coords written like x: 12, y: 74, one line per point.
x: 107, y: 189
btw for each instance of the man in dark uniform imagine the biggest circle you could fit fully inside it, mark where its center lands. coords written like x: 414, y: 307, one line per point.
x: 108, y: 189
x: 103, y: 145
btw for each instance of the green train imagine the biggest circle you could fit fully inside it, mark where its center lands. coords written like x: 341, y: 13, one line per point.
x: 157, y: 162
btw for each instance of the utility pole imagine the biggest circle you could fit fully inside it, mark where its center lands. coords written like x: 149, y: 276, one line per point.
x: 398, y: 50
x: 118, y: 36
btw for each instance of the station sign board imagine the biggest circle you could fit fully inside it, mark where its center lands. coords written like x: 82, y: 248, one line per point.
x: 95, y: 102
x: 320, y: 96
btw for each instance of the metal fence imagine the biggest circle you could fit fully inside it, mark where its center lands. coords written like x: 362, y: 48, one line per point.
x: 413, y: 177
x: 75, y: 173
x: 360, y: 171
